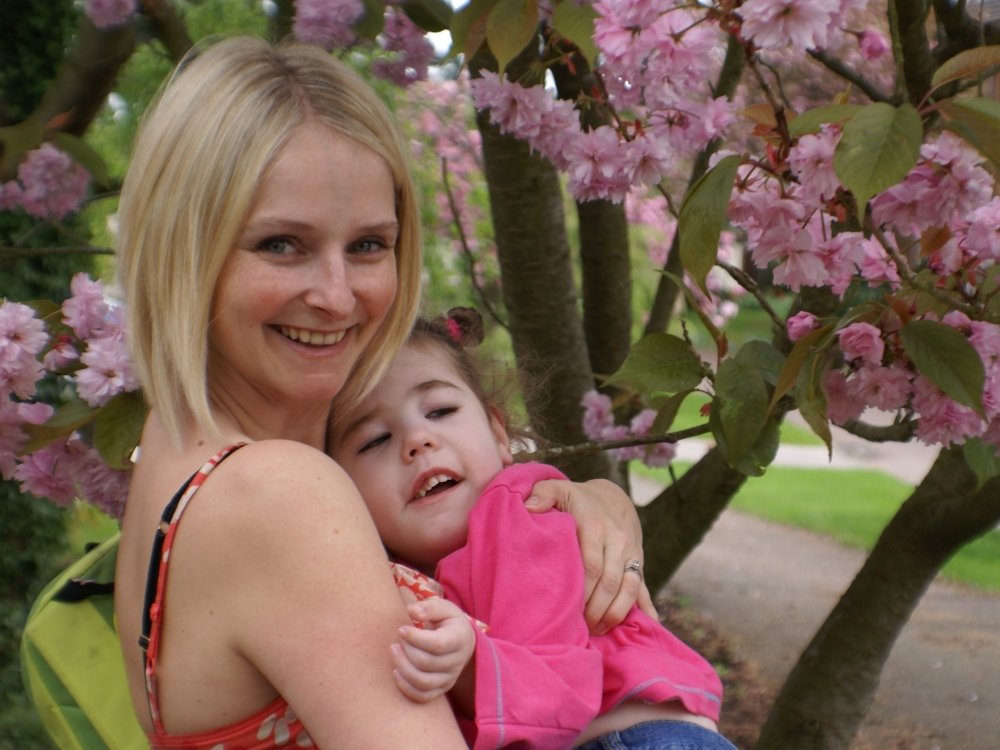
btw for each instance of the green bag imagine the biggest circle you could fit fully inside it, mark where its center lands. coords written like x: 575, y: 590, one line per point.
x: 71, y: 660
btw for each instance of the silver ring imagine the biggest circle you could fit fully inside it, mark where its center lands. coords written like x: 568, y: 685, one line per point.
x: 634, y: 566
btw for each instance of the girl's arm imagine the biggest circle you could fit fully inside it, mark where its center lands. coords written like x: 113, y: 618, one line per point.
x: 610, y: 535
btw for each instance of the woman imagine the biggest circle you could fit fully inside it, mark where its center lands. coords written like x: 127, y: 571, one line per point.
x: 269, y: 257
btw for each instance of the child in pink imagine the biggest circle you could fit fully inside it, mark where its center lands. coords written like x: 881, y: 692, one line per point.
x: 431, y: 457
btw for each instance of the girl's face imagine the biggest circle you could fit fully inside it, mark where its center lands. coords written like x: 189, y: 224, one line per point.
x: 421, y: 449
x: 311, y: 278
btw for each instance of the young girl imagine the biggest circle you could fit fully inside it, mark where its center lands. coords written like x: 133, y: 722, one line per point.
x: 430, y: 453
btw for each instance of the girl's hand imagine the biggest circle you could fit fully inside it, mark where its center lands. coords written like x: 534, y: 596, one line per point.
x: 610, y: 537
x: 430, y: 658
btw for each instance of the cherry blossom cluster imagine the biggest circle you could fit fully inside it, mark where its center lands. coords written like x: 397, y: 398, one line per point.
x: 49, y: 184
x: 85, y: 353
x: 877, y: 374
x: 330, y: 24
x: 599, y: 425
x: 106, y: 14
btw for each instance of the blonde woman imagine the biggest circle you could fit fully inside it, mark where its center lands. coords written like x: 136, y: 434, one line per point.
x: 269, y: 255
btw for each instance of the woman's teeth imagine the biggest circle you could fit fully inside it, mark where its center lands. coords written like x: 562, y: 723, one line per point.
x: 313, y: 338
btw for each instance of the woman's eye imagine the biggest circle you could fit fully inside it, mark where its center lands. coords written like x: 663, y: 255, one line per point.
x: 441, y: 412
x: 277, y: 246
x: 370, y: 245
x: 375, y: 442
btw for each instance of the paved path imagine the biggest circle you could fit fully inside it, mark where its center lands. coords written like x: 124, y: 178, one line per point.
x: 769, y: 587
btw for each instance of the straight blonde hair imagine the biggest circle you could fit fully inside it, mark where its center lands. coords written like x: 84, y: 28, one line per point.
x: 202, y: 151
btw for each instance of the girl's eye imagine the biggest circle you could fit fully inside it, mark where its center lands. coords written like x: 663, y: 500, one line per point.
x: 441, y: 412
x: 277, y: 246
x: 375, y: 442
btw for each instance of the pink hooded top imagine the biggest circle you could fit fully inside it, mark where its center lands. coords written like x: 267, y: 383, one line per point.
x: 540, y: 676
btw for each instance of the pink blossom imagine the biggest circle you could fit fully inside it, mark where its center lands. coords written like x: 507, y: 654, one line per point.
x: 326, y: 23
x: 85, y: 311
x: 811, y: 160
x: 13, y: 416
x: 22, y: 337
x: 800, y: 325
x: 885, y: 388
x: 411, y: 51
x: 107, y: 371
x: 876, y: 265
x: 985, y: 338
x: 873, y: 45
x: 105, y: 14
x: 598, y: 166
x: 53, y: 184
x: 47, y: 473
x: 862, y: 341
x: 60, y: 355
x: 842, y: 403
x: 97, y: 482
x: 941, y: 420
x: 11, y: 195
x: 598, y: 414
x: 842, y: 254
x: 774, y: 24
x: 803, y: 263
x: 982, y: 236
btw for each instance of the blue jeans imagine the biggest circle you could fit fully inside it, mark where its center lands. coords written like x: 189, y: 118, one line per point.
x: 660, y: 735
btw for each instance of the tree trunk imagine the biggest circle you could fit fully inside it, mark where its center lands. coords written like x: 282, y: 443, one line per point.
x: 538, y: 288
x: 675, y: 522
x: 830, y: 689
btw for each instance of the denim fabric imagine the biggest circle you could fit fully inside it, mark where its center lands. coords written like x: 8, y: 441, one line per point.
x: 660, y: 735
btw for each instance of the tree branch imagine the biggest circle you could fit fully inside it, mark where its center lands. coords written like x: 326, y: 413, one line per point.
x: 466, y: 250
x: 549, y: 453
x: 849, y: 74
x: 744, y: 280
x: 900, y: 432
x: 168, y: 27
x: 35, y: 252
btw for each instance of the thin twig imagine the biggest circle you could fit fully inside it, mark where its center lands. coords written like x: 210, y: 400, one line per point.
x: 466, y: 250
x: 850, y: 75
x: 746, y: 281
x: 585, y: 449
x: 907, y: 274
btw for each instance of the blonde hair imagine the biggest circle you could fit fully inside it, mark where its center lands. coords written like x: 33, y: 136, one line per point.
x: 215, y: 129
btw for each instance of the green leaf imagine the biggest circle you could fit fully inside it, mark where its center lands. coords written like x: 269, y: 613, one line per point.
x: 15, y: 141
x: 430, y: 15
x: 967, y: 63
x: 666, y: 411
x: 976, y: 120
x: 468, y: 27
x: 810, y: 121
x: 760, y: 455
x: 796, y: 358
x: 983, y: 459
x: 372, y: 21
x: 880, y: 145
x: 703, y: 215
x: 118, y: 427
x: 576, y: 22
x: 660, y: 362
x: 741, y: 405
x: 68, y: 418
x: 811, y: 398
x: 946, y: 358
x: 765, y: 358
x: 511, y: 27
x: 82, y: 154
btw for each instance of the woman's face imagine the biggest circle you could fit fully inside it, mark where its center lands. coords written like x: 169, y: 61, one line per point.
x: 311, y: 277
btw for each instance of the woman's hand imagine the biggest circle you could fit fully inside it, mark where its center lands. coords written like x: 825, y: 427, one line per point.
x: 433, y: 652
x: 610, y: 538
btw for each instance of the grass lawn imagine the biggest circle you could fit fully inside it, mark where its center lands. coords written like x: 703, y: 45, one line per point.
x: 852, y: 507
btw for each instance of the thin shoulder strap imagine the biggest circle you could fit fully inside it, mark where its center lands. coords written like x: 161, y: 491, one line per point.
x: 156, y: 577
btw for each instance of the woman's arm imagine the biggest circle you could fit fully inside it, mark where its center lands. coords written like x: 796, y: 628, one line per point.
x: 312, y: 605
x: 610, y: 536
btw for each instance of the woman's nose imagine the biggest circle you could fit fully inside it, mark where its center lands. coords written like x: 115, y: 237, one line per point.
x: 330, y: 284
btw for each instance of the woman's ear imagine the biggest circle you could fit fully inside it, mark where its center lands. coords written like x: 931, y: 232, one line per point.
x: 500, y: 433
